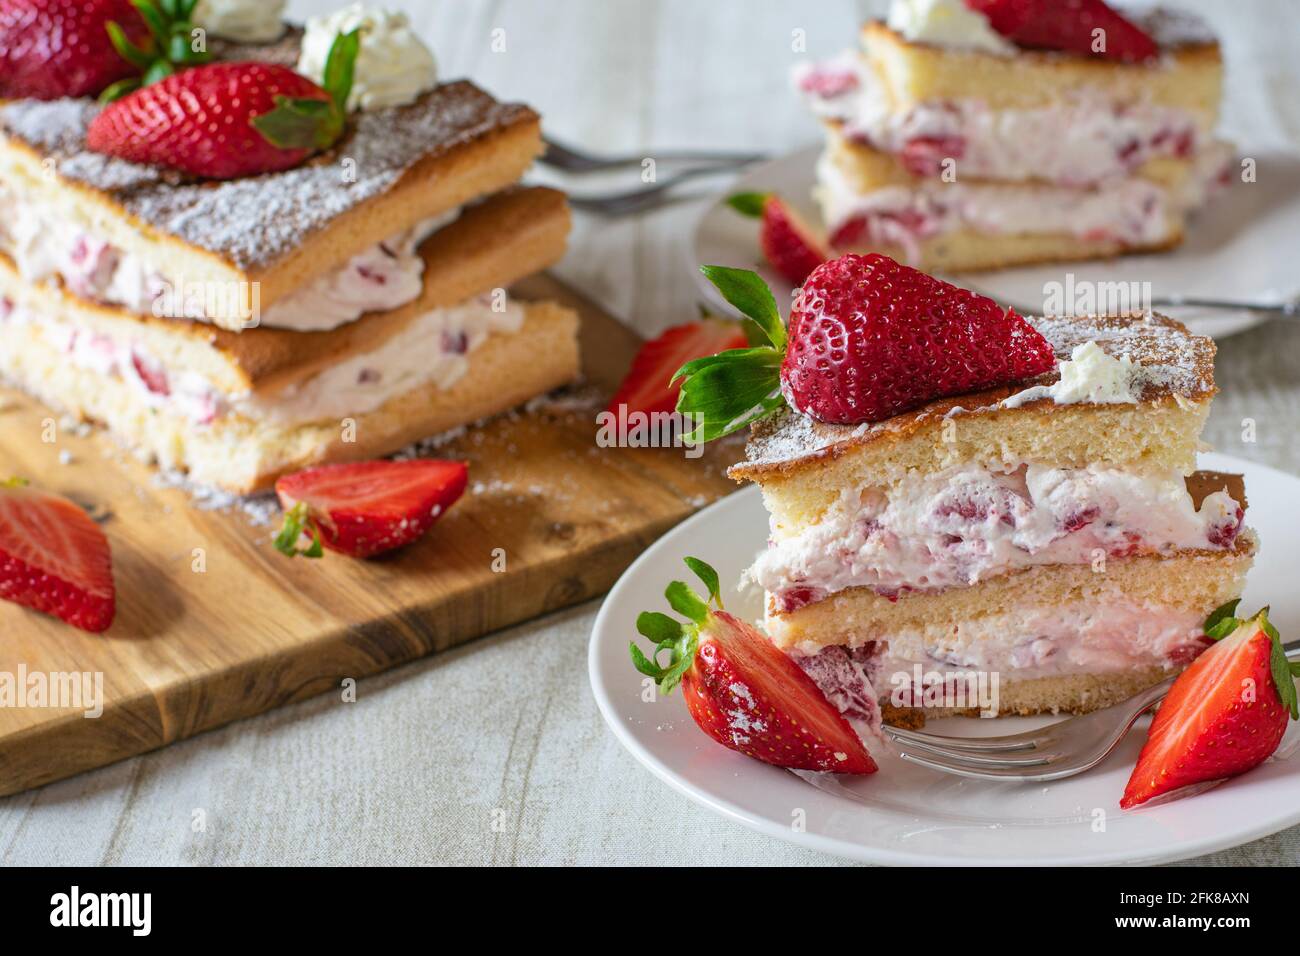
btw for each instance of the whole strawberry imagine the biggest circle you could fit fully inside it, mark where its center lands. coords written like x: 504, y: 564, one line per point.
x: 869, y: 338
x: 55, y: 48
x: 1224, y: 715
x: 227, y: 120
x: 741, y: 689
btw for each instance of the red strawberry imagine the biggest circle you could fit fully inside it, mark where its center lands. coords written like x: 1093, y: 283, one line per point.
x: 55, y: 48
x: 1224, y: 715
x: 364, y: 508
x: 1068, y: 25
x: 868, y: 338
x: 227, y: 120
x: 648, y: 387
x: 788, y: 244
x: 54, y: 558
x: 741, y: 690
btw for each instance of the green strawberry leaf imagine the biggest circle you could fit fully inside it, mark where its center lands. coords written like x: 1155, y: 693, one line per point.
x: 684, y: 658
x: 658, y: 627
x: 748, y: 204
x: 158, y: 70
x: 729, y: 391
x: 137, y: 56
x: 300, y: 124
x: 644, y: 664
x: 686, y: 602
x: 296, y: 519
x: 1221, y: 612
x: 750, y: 294
x: 709, y: 576
x: 340, y: 65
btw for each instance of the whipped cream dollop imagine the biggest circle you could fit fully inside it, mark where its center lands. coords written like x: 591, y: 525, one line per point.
x: 946, y: 23
x: 1090, y: 375
x: 247, y: 21
x: 393, y: 66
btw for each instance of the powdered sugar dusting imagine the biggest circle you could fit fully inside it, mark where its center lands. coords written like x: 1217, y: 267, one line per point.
x: 254, y: 222
x: 1174, y: 362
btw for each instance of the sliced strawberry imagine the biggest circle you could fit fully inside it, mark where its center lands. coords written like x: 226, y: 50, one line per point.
x: 1069, y: 25
x: 741, y: 690
x: 1224, y: 715
x: 54, y: 559
x: 788, y: 243
x: 227, y: 120
x: 364, y: 508
x: 648, y: 385
x: 868, y: 338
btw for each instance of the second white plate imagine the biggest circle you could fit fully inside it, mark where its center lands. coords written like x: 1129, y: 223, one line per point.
x: 1239, y: 248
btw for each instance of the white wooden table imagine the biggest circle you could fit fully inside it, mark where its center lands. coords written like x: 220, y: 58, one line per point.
x: 495, y: 753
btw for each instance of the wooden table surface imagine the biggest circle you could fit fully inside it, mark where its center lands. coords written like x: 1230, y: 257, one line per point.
x: 495, y: 753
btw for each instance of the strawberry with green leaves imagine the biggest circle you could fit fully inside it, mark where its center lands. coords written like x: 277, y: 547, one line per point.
x: 227, y: 120
x: 788, y: 244
x: 869, y: 338
x: 1224, y: 715
x: 365, y: 508
x: 740, y: 688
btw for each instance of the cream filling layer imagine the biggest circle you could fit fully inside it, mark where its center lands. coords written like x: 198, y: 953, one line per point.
x: 960, y: 526
x: 1040, y: 642
x: 46, y: 246
x: 1083, y: 139
x: 1129, y: 210
x: 435, y: 348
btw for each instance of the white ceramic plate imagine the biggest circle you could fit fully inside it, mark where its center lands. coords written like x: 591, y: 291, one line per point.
x: 1239, y: 248
x: 911, y: 815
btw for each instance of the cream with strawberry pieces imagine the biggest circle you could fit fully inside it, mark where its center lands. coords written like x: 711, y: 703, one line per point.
x: 1224, y: 715
x: 365, y: 508
x: 739, y: 689
x: 54, y: 558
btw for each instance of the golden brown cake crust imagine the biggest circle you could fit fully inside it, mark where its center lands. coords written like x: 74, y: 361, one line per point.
x: 1181, y: 367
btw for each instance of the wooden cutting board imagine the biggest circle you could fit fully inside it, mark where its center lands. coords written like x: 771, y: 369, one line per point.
x: 213, y: 624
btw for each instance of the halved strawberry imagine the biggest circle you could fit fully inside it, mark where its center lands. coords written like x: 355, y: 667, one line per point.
x: 648, y: 385
x: 868, y: 338
x: 788, y: 243
x: 227, y: 120
x: 1224, y: 715
x: 367, y: 507
x: 1089, y: 27
x: 740, y: 689
x: 53, y: 558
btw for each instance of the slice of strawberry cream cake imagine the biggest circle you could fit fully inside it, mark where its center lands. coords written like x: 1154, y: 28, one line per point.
x: 959, y: 493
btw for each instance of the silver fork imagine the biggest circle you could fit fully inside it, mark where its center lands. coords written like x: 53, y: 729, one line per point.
x: 573, y: 160
x: 645, y: 197
x: 1059, y: 750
